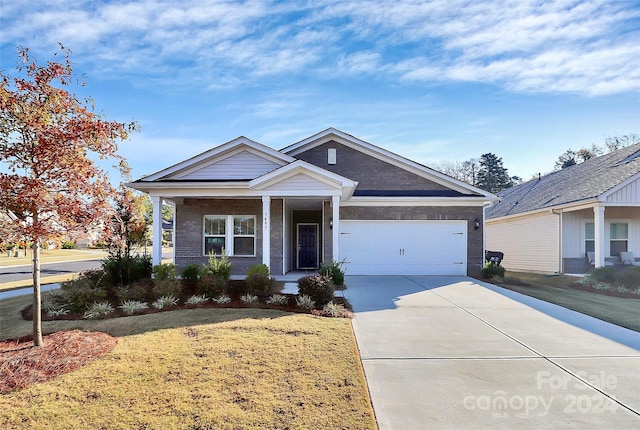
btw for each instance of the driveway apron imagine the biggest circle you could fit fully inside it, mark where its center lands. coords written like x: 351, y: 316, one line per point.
x: 457, y: 353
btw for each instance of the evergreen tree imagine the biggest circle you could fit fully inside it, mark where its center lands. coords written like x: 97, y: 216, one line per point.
x: 493, y: 176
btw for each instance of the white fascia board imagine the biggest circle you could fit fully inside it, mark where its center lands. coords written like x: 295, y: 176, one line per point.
x: 381, y: 153
x: 211, y: 153
x: 415, y: 201
x: 568, y: 207
x: 297, y: 167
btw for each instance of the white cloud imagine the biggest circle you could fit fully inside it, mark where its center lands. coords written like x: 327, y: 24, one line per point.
x: 585, y: 47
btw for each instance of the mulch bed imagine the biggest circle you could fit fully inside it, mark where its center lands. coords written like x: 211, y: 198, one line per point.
x: 22, y: 364
x: 27, y: 312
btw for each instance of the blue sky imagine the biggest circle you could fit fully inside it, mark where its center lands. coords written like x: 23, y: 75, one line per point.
x: 443, y: 80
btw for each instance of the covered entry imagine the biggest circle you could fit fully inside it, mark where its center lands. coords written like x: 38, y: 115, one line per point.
x: 404, y: 247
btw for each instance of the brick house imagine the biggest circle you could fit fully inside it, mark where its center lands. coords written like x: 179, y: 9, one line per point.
x: 329, y: 196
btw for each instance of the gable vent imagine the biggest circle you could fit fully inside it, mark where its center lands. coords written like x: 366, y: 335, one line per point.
x: 331, y: 156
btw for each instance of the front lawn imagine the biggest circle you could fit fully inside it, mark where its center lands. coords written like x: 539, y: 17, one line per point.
x: 206, y: 368
x: 560, y: 290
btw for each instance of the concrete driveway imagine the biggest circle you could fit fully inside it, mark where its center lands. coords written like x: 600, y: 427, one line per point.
x: 456, y: 353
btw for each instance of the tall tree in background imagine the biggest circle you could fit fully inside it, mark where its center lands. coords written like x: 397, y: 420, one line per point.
x: 571, y: 157
x: 47, y: 136
x: 465, y: 171
x: 493, y: 176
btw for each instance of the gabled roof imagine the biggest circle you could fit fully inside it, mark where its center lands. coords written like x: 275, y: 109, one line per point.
x: 588, y: 181
x: 220, y: 152
x: 385, y: 155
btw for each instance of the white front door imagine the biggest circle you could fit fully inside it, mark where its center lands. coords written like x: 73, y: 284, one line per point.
x: 404, y: 247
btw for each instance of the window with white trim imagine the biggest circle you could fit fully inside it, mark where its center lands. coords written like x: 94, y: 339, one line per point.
x: 589, y: 237
x: 618, y: 238
x: 235, y: 234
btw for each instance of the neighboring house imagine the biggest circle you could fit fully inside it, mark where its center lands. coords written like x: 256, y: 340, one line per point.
x: 330, y: 196
x: 549, y: 224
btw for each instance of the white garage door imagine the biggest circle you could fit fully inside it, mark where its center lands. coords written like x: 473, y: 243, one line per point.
x: 404, y: 247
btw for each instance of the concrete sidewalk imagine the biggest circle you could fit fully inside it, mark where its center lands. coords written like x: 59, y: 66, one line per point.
x: 456, y: 353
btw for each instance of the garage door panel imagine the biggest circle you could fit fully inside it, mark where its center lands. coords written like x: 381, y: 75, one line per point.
x: 404, y: 247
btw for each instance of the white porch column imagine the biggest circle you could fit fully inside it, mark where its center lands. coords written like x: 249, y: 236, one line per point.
x: 156, y: 256
x: 266, y: 231
x: 598, y: 223
x: 335, y: 203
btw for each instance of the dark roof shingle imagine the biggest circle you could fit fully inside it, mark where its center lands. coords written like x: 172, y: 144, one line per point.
x: 579, y: 182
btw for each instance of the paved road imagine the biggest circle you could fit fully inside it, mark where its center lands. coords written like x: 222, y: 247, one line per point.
x: 455, y: 353
x: 19, y: 273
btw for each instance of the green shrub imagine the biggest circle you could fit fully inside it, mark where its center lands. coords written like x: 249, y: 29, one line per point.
x: 123, y: 270
x: 319, y: 288
x: 138, y: 291
x: 197, y: 300
x: 98, y: 309
x: 333, y: 269
x: 605, y: 274
x: 130, y: 307
x: 278, y: 300
x: 490, y: 271
x: 259, y: 282
x: 212, y: 286
x: 630, y: 277
x: 165, y: 302
x: 68, y: 244
x: 334, y: 310
x: 169, y: 287
x: 80, y: 293
x: 164, y: 272
x: 305, y: 302
x: 218, y: 265
x: 191, y: 273
x: 249, y: 299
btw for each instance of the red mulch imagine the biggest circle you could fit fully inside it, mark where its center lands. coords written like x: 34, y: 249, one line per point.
x: 22, y: 364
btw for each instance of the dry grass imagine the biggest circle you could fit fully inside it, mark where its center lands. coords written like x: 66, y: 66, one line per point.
x: 206, y: 368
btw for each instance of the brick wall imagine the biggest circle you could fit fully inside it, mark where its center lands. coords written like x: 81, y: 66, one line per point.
x: 189, y: 231
x: 475, y: 259
x: 371, y: 173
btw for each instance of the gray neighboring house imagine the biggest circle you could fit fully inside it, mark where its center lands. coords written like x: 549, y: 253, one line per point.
x: 329, y: 196
x: 552, y: 224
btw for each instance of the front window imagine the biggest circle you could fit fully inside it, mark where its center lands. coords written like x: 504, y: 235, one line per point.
x: 244, y: 235
x: 233, y: 234
x: 619, y: 236
x: 215, y: 237
x: 589, y: 237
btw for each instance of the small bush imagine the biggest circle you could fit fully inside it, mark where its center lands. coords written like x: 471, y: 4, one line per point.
x: 164, y: 272
x: 221, y: 300
x: 630, y: 277
x: 318, y: 287
x: 278, y: 300
x: 259, y: 282
x: 124, y: 271
x: 219, y: 265
x: 490, y: 271
x: 334, y: 310
x: 249, y: 299
x: 605, y: 274
x: 80, y: 293
x: 139, y: 291
x: 57, y: 312
x: 191, y: 273
x: 68, y: 244
x: 130, y: 307
x: 197, y: 300
x: 166, y: 288
x: 98, y: 309
x: 165, y: 302
x: 305, y: 302
x: 333, y: 269
x: 212, y: 286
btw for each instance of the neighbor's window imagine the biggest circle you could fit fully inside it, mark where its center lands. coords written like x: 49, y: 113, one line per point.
x: 618, y: 238
x: 589, y: 237
x: 215, y: 237
x: 236, y: 234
